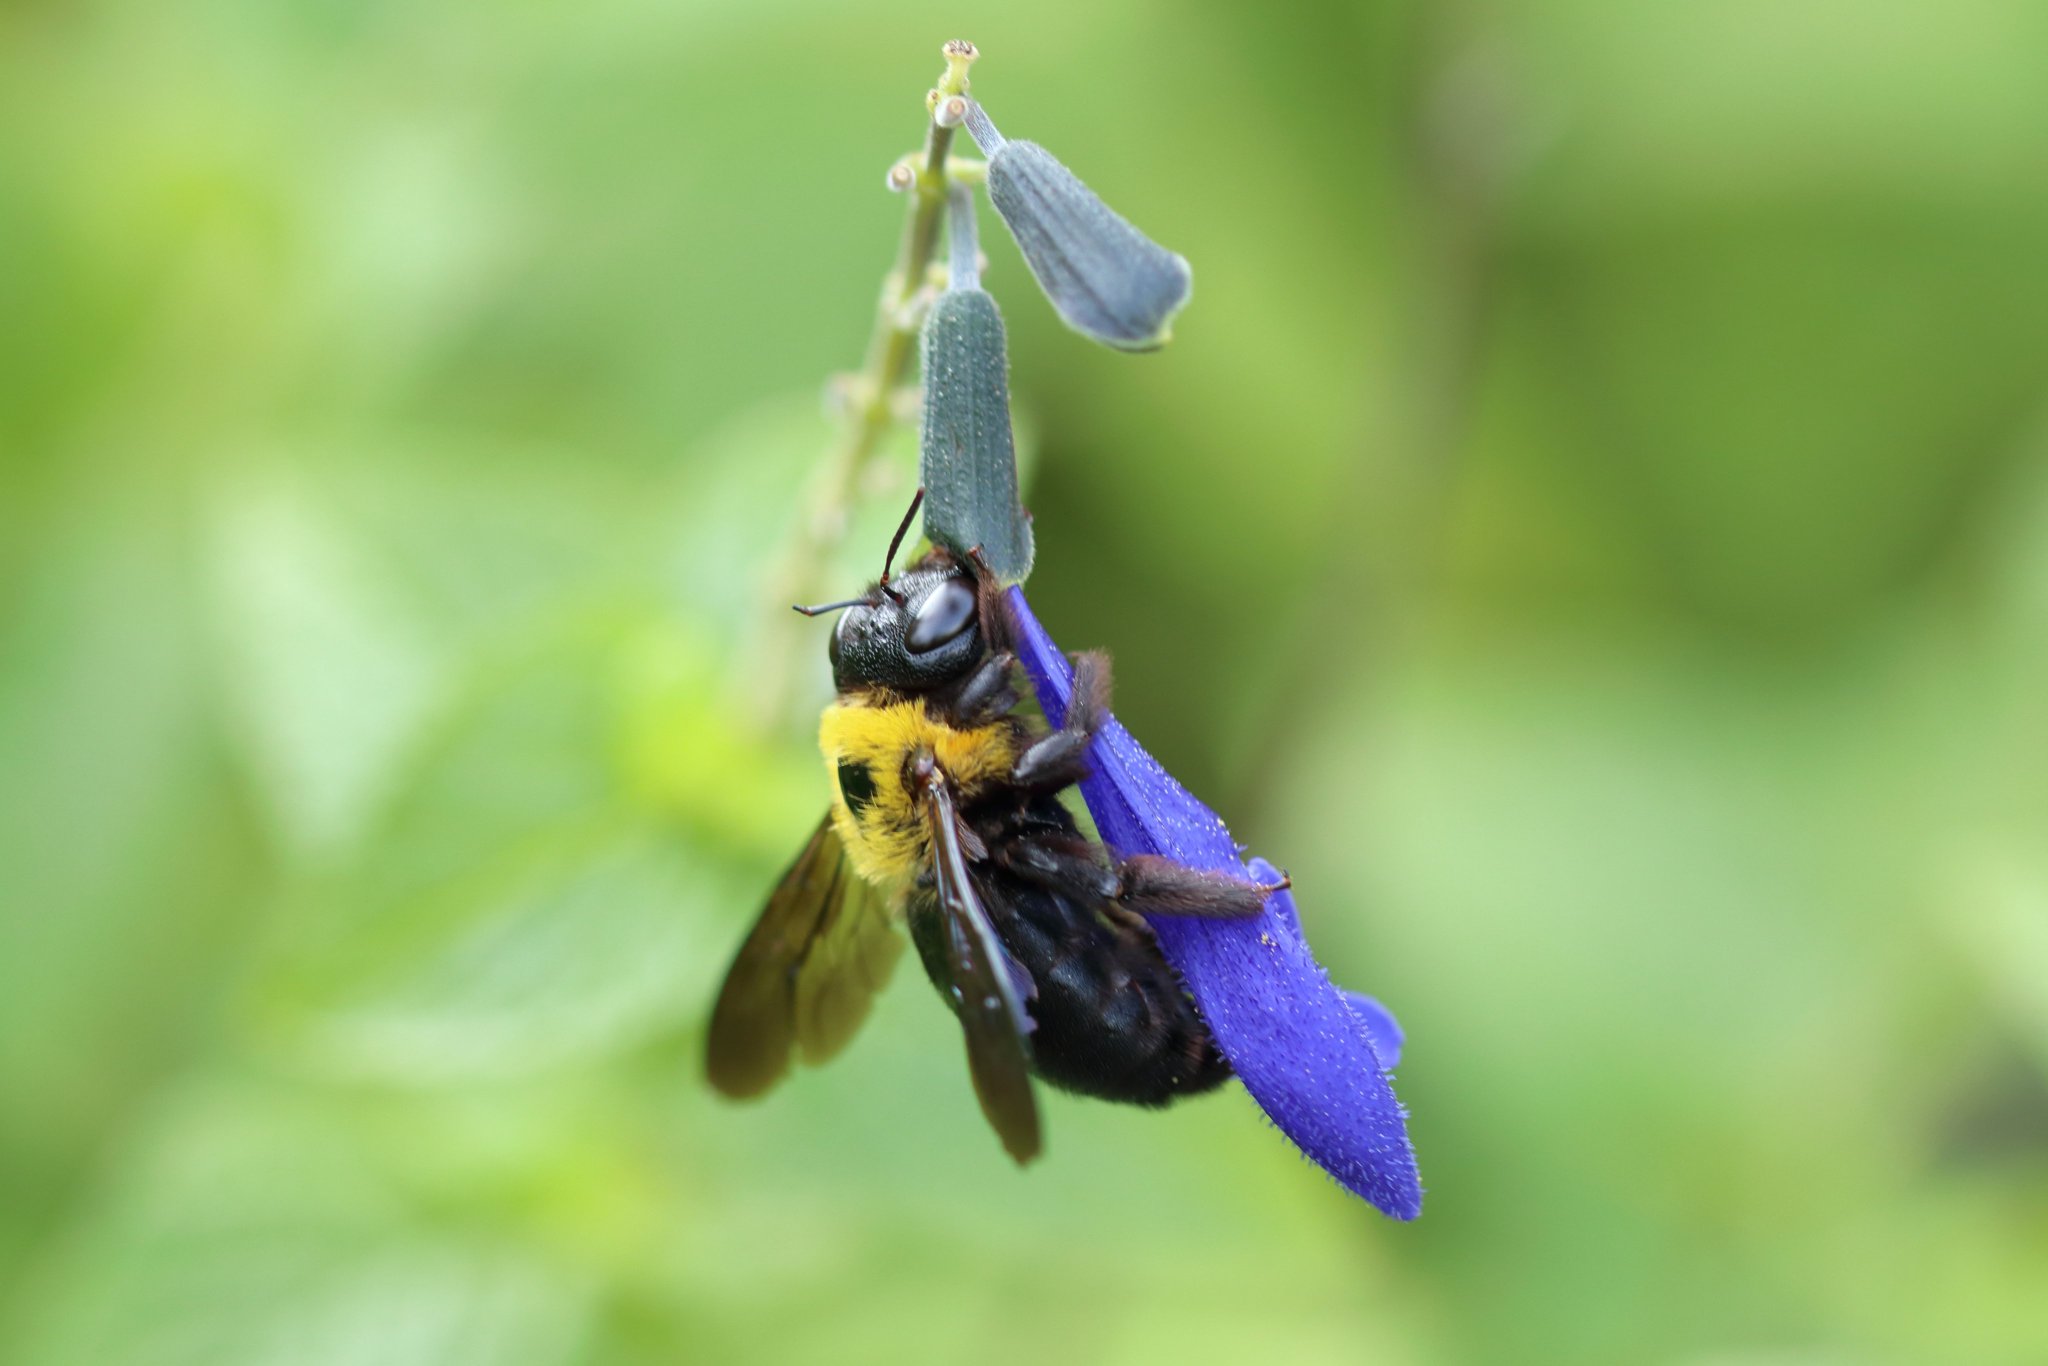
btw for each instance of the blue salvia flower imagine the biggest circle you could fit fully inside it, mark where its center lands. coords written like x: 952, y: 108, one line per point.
x: 1312, y: 1056
x: 1107, y: 280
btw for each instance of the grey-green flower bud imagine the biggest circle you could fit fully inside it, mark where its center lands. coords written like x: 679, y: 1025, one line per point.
x: 968, y: 460
x: 1107, y: 280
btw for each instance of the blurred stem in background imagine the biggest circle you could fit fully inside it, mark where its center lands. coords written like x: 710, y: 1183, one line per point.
x: 1459, y: 149
x: 869, y: 408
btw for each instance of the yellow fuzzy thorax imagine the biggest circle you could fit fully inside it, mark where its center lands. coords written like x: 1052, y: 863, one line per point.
x: 874, y: 737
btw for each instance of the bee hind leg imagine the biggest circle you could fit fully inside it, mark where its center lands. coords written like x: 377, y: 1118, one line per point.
x: 1153, y: 885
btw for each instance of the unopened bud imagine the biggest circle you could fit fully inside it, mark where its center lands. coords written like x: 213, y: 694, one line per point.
x: 968, y: 457
x: 1106, y: 279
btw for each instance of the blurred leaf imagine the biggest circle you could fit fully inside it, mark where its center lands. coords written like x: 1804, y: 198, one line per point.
x: 331, y: 670
x: 124, y: 878
x: 550, y: 956
x: 521, y: 907
x: 248, y: 1234
x: 2001, y: 925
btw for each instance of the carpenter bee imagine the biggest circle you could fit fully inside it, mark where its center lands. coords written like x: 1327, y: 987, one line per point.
x: 946, y: 819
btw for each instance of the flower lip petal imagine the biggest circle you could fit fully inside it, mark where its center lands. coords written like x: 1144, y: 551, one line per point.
x: 1302, y: 1048
x: 1381, y: 1027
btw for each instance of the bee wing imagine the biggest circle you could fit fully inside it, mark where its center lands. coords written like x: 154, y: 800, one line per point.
x: 991, y: 1015
x: 849, y: 962
x: 805, y: 975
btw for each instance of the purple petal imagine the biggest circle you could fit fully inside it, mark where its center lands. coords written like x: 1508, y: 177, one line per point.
x: 1304, y: 1049
x: 1380, y: 1026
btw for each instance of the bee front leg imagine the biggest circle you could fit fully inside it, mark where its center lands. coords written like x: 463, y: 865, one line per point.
x: 987, y: 694
x: 1061, y: 758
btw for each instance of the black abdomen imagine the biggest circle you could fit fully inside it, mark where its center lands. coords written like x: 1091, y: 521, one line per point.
x: 1111, y: 1017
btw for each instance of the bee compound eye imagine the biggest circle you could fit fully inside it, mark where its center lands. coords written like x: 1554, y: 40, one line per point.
x: 944, y: 614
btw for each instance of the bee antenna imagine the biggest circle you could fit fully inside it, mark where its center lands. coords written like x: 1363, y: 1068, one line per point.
x: 825, y: 607
x: 896, y: 543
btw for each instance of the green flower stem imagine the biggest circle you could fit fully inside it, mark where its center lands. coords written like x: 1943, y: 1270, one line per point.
x: 871, y: 410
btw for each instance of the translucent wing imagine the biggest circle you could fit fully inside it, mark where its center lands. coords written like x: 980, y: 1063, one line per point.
x: 806, y: 974
x: 849, y: 962
x: 991, y: 1015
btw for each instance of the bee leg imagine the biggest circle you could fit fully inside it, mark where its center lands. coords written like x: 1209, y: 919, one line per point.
x: 1131, y: 923
x: 1061, y: 758
x: 1158, y: 886
x: 987, y: 694
x: 1090, y: 705
x: 1068, y: 866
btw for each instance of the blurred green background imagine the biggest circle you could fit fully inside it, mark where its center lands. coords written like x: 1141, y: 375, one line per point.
x: 1591, y: 527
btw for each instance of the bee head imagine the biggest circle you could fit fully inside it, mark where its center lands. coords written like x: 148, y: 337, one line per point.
x: 917, y: 632
x: 914, y: 633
